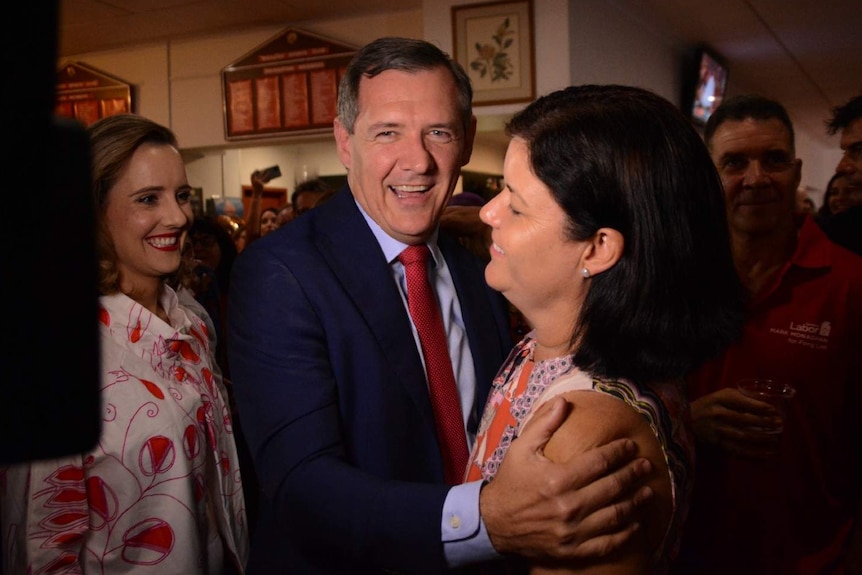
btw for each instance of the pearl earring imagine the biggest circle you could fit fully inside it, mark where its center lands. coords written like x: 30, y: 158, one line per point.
x: 585, y: 272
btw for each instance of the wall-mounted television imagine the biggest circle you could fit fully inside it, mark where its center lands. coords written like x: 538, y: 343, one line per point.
x: 707, y: 85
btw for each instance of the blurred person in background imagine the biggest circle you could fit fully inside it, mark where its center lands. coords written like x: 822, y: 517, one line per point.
x: 214, y: 253
x: 240, y: 236
x: 308, y: 194
x: 259, y: 222
x: 845, y: 227
x: 461, y: 219
x: 268, y: 221
x: 843, y: 195
x: 285, y: 215
x: 214, y: 256
x: 831, y: 204
x: 804, y: 203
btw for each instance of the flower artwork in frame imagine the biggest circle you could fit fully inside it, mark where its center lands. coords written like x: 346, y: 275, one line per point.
x: 494, y: 43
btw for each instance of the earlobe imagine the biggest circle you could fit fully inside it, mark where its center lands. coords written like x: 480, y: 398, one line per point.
x: 604, y: 252
x: 798, y: 174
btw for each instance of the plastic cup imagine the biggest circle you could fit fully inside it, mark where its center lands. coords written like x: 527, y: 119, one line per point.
x: 771, y: 391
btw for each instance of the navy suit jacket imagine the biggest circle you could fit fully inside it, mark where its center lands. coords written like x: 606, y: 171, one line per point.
x: 333, y: 398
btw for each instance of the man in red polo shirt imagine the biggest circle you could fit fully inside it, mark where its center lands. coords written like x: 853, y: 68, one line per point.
x: 769, y: 502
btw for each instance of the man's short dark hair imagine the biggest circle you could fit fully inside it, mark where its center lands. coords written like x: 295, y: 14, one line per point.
x: 843, y: 116
x: 744, y: 106
x: 405, y: 55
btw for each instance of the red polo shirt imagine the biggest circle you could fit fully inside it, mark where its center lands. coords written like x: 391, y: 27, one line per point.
x: 790, y: 514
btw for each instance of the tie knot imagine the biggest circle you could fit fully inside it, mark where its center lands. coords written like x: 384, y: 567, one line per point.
x: 414, y: 255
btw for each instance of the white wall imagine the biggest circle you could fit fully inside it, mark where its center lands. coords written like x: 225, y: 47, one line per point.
x: 610, y: 46
x: 818, y: 164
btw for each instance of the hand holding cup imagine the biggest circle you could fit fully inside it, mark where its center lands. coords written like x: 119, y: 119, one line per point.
x: 776, y: 393
x: 741, y: 423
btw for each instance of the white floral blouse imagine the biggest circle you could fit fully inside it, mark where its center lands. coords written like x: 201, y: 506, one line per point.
x: 161, y: 492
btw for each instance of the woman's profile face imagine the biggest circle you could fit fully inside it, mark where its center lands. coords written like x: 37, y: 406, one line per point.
x: 268, y: 222
x: 241, y: 240
x: 148, y: 213
x: 285, y: 215
x: 842, y: 197
x: 533, y: 263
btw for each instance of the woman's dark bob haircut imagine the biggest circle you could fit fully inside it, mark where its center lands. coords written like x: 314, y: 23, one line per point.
x: 624, y: 158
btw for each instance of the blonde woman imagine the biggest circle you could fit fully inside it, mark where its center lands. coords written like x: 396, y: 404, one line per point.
x: 161, y: 490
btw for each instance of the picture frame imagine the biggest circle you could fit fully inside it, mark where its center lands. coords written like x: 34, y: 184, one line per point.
x: 493, y: 42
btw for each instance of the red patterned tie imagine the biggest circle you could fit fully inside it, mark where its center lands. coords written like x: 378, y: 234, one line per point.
x: 441, y: 379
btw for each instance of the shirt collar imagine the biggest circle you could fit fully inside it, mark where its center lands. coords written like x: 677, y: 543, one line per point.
x: 812, y: 246
x: 392, y: 247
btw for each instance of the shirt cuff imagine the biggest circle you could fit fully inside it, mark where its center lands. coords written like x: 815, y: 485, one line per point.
x: 465, y: 539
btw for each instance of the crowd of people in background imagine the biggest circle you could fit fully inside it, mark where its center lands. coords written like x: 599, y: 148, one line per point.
x: 273, y: 401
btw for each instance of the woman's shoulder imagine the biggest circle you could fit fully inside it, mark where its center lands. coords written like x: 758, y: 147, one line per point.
x: 604, y: 412
x: 604, y: 409
x: 599, y: 411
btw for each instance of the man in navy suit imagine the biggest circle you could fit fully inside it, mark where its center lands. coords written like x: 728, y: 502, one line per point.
x: 330, y: 381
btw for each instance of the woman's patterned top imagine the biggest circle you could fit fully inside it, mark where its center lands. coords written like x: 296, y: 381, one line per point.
x: 522, y: 385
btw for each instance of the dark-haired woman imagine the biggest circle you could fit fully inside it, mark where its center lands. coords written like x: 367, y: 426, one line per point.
x: 610, y: 237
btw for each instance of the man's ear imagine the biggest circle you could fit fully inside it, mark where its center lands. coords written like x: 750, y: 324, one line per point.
x: 798, y: 175
x: 469, y: 138
x: 604, y: 251
x: 342, y: 143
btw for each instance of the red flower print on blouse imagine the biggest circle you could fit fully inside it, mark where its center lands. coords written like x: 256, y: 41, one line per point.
x: 148, y: 542
x: 157, y: 455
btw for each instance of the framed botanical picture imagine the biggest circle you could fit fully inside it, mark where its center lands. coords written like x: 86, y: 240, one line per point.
x: 494, y: 43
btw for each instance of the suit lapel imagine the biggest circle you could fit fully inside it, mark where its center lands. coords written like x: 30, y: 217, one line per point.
x: 351, y: 250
